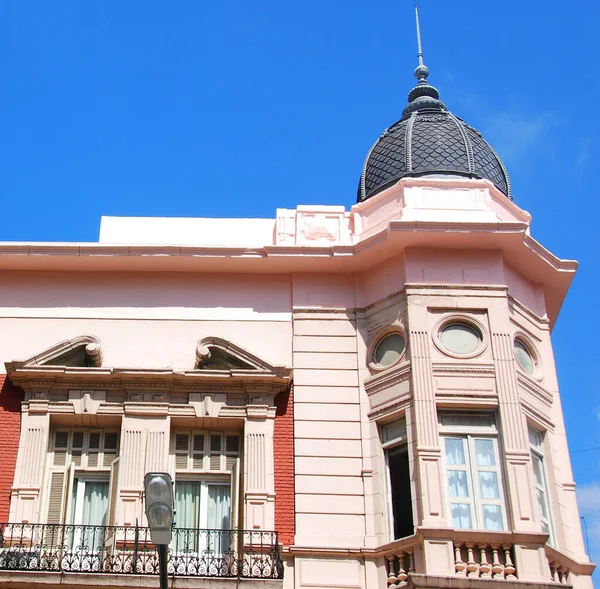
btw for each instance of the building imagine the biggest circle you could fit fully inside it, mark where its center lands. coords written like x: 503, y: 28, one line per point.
x: 353, y: 399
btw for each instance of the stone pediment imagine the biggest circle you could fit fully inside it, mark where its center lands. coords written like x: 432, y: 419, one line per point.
x: 221, y: 366
x: 214, y: 353
x: 82, y: 351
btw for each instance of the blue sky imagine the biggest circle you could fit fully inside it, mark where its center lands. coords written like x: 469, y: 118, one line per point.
x: 235, y: 108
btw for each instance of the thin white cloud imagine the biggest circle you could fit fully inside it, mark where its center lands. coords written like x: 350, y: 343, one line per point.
x: 515, y: 134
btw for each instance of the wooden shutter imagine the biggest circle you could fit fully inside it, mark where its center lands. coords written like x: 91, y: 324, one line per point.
x: 235, y: 495
x: 93, y: 449
x: 55, y: 497
x: 113, y: 492
x: 111, y: 441
x: 77, y: 448
x: 181, y: 451
x: 215, y: 452
x: 198, y: 452
x: 58, y: 495
x: 61, y: 446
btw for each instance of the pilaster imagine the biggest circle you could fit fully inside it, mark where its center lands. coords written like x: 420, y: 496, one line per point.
x: 428, y: 451
x: 25, y: 502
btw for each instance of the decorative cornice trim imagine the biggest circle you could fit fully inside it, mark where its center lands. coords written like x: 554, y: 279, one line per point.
x: 398, y: 405
x: 535, y: 389
x: 527, y: 311
x: 387, y: 378
x: 416, y: 286
x: 46, y: 378
x: 488, y: 369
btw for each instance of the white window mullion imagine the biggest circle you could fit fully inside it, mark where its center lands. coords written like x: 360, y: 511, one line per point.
x: 472, y: 467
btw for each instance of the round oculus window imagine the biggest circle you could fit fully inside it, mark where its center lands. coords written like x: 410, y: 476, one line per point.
x: 524, y: 357
x: 460, y: 338
x: 389, y: 349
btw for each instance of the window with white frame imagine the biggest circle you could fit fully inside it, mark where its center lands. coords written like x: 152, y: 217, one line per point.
x: 473, y: 471
x: 536, y: 442
x: 82, y: 475
x: 394, y: 444
x: 206, y: 488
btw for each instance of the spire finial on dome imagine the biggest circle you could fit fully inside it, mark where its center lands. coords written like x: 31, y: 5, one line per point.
x: 422, y: 70
x: 423, y: 95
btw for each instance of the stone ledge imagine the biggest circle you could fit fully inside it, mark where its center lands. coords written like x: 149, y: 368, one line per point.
x: 51, y: 580
x: 416, y: 580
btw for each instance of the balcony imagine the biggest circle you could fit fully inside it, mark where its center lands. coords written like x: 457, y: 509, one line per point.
x: 478, y: 555
x: 128, y: 550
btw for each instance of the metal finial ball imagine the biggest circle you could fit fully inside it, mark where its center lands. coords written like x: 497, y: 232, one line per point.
x: 421, y: 72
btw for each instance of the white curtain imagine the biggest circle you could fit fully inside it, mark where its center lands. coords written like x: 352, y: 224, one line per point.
x: 492, y: 517
x: 95, y: 512
x: 219, y: 510
x: 455, y: 451
x: 187, y: 516
x: 484, y: 450
x: 461, y: 516
x: 95, y: 503
x: 219, y: 507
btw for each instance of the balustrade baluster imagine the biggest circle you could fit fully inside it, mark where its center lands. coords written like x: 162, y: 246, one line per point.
x: 402, y: 574
x: 392, y: 579
x: 472, y: 566
x: 411, y: 560
x: 497, y: 568
x: 564, y: 575
x: 484, y: 567
x: 459, y: 566
x: 509, y: 567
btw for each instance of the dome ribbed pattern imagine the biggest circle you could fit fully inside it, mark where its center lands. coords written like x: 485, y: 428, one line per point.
x: 429, y: 139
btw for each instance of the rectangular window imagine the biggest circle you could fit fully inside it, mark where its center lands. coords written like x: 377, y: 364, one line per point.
x: 473, y: 472
x: 82, y: 475
x: 394, y: 443
x: 536, y: 442
x: 206, y: 483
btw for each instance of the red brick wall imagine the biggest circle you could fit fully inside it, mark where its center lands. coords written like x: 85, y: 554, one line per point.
x: 284, y: 467
x: 10, y: 430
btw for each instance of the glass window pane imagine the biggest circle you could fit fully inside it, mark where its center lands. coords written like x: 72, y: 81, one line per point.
x: 389, y: 349
x: 95, y: 503
x: 492, y: 517
x: 457, y: 483
x: 461, y: 516
x: 488, y: 485
x: 460, y: 338
x: 187, y: 504
x: 537, y: 471
x: 219, y: 504
x: 484, y: 450
x: 541, y: 499
x: 524, y: 357
x: 455, y: 451
x: 545, y: 528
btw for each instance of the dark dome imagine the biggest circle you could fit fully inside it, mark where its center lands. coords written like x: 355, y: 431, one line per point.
x: 429, y: 140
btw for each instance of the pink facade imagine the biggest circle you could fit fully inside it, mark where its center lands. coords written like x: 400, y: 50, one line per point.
x: 437, y: 458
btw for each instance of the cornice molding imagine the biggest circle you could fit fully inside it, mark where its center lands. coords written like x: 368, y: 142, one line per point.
x: 46, y: 378
x: 388, y: 378
x: 535, y: 389
x: 487, y: 369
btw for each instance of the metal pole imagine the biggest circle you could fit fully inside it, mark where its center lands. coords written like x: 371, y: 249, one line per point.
x: 162, y: 566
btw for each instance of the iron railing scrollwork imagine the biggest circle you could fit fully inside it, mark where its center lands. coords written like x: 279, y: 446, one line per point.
x: 250, y: 554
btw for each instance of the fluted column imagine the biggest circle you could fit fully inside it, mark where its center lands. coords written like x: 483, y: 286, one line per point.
x: 259, y: 474
x: 514, y: 432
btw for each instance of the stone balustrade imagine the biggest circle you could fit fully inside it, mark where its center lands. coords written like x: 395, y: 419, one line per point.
x: 400, y: 565
x: 400, y: 561
x: 563, y: 569
x: 484, y: 560
x: 558, y: 572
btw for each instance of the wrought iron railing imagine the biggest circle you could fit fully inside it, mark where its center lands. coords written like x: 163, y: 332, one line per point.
x: 129, y: 550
